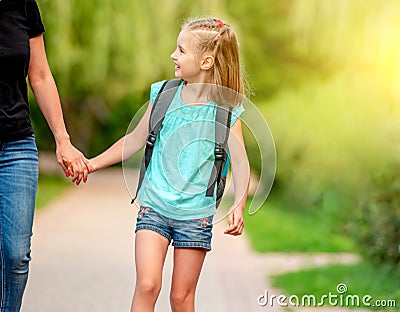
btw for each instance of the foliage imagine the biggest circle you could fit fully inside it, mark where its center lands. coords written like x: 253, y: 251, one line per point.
x: 378, y: 226
x: 330, y: 136
x: 277, y: 229
x: 266, y: 38
x: 49, y: 188
x: 287, y: 42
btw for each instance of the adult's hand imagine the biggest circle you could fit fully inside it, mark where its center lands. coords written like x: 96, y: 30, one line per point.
x: 73, y: 162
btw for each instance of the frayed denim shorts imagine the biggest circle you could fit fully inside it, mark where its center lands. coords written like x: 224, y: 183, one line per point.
x: 196, y: 233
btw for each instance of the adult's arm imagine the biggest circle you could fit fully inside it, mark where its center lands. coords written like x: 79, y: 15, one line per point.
x: 45, y: 90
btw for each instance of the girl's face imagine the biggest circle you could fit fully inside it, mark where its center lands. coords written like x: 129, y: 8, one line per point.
x: 188, y: 65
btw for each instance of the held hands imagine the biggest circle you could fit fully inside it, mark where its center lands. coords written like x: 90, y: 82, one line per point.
x: 235, y: 221
x: 73, y: 162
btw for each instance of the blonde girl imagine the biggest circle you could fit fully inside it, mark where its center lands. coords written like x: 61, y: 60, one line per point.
x: 173, y: 207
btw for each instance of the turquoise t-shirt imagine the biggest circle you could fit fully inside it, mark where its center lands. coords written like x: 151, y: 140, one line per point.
x: 177, y: 177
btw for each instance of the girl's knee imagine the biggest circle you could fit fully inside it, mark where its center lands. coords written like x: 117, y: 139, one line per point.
x: 148, y: 287
x: 181, y: 300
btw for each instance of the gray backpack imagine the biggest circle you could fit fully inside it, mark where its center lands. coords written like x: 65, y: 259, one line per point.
x: 221, y: 153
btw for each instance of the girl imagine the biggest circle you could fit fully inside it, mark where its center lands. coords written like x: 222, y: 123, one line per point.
x: 173, y: 205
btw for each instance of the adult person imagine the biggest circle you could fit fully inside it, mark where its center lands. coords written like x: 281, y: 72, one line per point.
x: 22, y: 55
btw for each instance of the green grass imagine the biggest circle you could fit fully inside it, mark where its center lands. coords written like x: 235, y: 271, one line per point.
x: 275, y: 228
x: 361, y: 279
x: 49, y: 188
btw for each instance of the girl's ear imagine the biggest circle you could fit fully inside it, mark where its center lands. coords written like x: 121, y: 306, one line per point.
x: 207, y: 62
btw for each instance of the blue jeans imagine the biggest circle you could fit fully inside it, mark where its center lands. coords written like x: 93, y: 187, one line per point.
x: 18, y: 184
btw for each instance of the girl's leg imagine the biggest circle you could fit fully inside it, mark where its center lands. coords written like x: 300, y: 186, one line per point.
x: 150, y: 251
x: 187, y: 267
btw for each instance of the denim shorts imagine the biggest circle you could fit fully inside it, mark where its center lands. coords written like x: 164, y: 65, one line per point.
x: 194, y: 233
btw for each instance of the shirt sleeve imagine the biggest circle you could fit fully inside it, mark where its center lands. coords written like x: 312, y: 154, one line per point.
x: 35, y: 24
x: 155, y: 88
x: 236, y: 113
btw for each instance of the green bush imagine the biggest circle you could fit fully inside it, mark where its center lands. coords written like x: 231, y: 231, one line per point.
x: 378, y: 226
x: 329, y: 135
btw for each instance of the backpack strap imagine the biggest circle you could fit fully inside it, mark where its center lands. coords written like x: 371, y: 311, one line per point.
x: 158, y: 111
x: 222, y: 128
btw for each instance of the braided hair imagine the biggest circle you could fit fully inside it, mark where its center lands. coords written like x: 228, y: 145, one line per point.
x: 214, y: 36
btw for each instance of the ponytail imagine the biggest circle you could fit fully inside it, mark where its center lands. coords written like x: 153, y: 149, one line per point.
x: 217, y: 37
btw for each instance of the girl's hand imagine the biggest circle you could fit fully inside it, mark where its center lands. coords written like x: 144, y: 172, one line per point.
x: 92, y: 166
x: 235, y: 221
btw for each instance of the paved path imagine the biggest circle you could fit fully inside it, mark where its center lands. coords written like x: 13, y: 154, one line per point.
x: 83, y: 258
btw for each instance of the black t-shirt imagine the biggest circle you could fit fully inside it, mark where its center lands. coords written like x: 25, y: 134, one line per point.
x: 19, y: 21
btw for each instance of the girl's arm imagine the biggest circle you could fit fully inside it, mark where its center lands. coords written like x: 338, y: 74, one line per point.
x: 241, y: 178
x: 45, y: 90
x: 126, y: 146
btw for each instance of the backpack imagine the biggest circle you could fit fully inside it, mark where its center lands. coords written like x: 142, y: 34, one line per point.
x: 221, y: 153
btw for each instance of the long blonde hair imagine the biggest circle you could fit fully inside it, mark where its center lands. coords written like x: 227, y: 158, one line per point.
x: 213, y: 35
